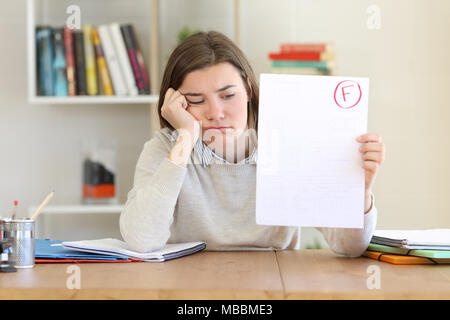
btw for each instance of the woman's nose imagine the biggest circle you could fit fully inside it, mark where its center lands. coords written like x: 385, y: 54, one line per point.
x: 215, y: 111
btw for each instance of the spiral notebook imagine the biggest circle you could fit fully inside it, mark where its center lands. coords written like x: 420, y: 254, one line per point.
x: 119, y: 248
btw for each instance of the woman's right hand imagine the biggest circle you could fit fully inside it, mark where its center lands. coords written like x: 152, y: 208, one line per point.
x: 174, y: 111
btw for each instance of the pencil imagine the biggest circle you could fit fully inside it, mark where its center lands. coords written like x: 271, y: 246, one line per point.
x: 43, y: 204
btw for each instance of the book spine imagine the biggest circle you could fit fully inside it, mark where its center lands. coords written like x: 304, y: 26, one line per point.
x: 131, y: 50
x: 302, y: 71
x: 112, y: 61
x: 38, y: 59
x: 301, y: 47
x: 321, y: 65
x: 59, y: 64
x: 305, y: 55
x: 70, y: 62
x: 101, y: 64
x: 140, y: 58
x: 46, y: 62
x: 124, y: 61
x: 80, y: 62
x: 91, y: 73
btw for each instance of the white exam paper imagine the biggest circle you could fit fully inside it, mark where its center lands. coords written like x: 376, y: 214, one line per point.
x: 309, y: 167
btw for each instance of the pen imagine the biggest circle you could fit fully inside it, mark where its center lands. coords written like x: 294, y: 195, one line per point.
x: 13, y: 214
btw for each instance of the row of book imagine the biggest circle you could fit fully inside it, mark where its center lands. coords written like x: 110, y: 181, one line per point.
x: 410, y: 246
x: 92, y: 61
x: 304, y: 58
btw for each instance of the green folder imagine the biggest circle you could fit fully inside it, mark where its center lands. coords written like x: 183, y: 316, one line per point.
x: 435, y: 254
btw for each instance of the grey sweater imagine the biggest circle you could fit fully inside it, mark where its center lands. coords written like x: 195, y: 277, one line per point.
x: 212, y: 201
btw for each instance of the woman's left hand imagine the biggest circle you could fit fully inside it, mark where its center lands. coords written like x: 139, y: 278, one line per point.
x: 373, y: 155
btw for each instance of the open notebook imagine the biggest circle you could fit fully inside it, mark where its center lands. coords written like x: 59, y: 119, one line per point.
x: 434, y: 239
x: 119, y: 248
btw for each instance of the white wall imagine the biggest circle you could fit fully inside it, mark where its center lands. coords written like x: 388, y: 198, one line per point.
x: 406, y: 61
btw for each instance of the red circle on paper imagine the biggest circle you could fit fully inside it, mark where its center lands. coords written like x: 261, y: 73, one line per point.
x: 339, y: 85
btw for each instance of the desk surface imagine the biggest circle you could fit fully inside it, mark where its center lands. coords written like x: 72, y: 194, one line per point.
x: 302, y: 274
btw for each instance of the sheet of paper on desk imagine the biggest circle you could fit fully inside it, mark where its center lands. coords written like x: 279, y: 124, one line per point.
x: 309, y: 167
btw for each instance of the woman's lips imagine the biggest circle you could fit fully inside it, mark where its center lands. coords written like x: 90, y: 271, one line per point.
x: 222, y: 129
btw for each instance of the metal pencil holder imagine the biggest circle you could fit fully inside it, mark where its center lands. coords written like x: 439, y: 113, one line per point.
x: 20, y: 232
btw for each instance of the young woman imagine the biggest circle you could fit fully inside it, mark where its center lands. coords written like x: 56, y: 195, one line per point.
x: 189, y: 187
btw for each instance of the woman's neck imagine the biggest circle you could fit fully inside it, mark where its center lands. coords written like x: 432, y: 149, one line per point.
x: 237, y: 149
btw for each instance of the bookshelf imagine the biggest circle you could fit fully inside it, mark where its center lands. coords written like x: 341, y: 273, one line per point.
x: 143, y: 99
x: 36, y: 14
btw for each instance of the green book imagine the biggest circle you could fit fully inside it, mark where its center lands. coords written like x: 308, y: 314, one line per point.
x: 435, y: 254
x: 321, y: 65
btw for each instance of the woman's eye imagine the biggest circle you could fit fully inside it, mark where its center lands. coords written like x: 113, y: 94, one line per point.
x: 194, y: 102
x: 228, y: 96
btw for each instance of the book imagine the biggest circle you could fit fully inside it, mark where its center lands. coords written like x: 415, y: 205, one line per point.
x: 38, y: 64
x: 438, y: 239
x: 124, y: 61
x: 135, y: 58
x: 321, y: 65
x: 103, y: 72
x: 70, y: 62
x: 310, y: 47
x: 59, y: 64
x: 140, y: 58
x: 80, y: 62
x: 44, y: 43
x: 301, y: 55
x: 119, y: 248
x: 89, y: 56
x: 400, y: 259
x: 112, y: 61
x: 426, y: 253
x: 302, y: 71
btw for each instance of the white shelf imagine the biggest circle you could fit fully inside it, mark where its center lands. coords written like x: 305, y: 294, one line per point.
x: 78, y: 209
x: 140, y: 99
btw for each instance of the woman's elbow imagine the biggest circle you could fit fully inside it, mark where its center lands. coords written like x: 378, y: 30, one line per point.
x: 141, y: 241
x: 351, y: 251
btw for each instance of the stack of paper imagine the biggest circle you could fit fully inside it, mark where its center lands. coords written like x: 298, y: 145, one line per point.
x: 119, y: 248
x: 410, y: 246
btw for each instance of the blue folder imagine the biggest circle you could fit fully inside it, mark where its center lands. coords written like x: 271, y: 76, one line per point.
x: 44, y: 250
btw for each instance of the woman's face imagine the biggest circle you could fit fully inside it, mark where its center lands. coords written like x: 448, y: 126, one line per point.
x: 217, y: 97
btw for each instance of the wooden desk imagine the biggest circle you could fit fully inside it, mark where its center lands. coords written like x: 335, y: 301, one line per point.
x: 303, y: 274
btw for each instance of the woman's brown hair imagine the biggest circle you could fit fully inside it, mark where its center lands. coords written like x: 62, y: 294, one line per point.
x: 202, y: 50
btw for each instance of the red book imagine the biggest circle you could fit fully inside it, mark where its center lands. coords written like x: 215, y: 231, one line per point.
x: 70, y: 62
x: 300, y: 47
x: 132, y: 55
x: 305, y: 55
x: 140, y: 59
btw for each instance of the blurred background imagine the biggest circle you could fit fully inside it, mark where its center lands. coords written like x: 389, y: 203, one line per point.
x: 402, y: 46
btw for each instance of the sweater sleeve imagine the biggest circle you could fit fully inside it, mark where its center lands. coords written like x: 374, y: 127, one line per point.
x: 352, y: 242
x: 148, y: 212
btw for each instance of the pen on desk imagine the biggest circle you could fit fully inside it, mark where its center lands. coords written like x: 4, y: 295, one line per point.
x: 43, y: 204
x: 13, y: 214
